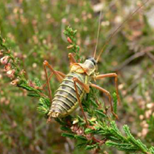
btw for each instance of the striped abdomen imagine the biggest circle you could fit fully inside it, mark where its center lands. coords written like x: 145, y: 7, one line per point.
x: 65, y: 99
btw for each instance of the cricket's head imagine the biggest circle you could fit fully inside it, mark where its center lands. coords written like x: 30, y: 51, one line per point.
x: 90, y: 65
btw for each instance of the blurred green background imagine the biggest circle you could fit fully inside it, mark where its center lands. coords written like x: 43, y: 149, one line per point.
x: 34, y: 30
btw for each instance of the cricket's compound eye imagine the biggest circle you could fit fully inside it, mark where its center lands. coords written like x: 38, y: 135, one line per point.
x: 93, y: 60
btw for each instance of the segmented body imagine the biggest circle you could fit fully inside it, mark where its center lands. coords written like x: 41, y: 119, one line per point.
x: 65, y: 98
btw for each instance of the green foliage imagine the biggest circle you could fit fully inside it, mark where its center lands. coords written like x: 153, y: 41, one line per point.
x: 44, y: 106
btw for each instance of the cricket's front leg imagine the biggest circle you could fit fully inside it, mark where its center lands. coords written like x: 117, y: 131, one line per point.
x: 101, y: 76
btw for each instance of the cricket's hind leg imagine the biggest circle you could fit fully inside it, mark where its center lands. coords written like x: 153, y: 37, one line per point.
x: 59, y: 76
x: 101, y: 76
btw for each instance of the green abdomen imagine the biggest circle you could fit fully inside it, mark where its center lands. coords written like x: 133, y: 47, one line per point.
x: 65, y: 99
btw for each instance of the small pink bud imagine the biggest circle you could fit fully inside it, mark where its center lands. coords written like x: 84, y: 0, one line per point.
x: 15, y: 82
x: 7, y: 67
x: 22, y: 72
x: 31, y: 84
x: 69, y: 40
x: 64, y: 20
x: 89, y: 136
x: 10, y: 73
x: 4, y: 60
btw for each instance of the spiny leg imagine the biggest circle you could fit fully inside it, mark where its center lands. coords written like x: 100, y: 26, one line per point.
x: 115, y: 79
x: 44, y: 85
x: 60, y: 73
x: 108, y: 94
x: 86, y: 88
x: 59, y: 76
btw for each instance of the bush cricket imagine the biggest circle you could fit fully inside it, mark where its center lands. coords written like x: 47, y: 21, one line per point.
x: 78, y: 81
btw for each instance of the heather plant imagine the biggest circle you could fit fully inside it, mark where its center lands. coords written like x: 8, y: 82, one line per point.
x: 33, y: 34
x: 102, y: 129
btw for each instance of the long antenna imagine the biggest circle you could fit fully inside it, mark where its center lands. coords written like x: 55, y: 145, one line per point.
x: 115, y: 32
x: 98, y: 32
